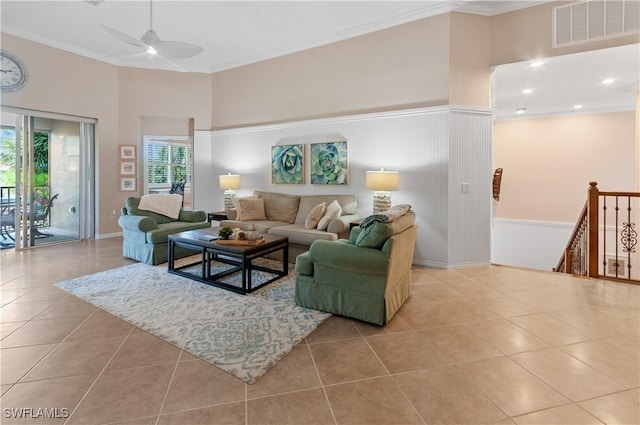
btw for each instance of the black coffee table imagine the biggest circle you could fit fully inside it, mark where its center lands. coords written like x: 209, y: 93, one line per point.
x: 240, y: 257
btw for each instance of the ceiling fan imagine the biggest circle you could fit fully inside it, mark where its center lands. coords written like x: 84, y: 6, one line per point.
x: 154, y: 45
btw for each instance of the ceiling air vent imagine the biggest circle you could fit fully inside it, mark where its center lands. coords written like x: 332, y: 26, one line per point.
x: 94, y: 2
x: 594, y: 20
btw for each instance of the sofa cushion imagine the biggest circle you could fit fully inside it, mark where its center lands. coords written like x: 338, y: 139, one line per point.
x: 314, y: 216
x: 297, y: 234
x: 332, y: 211
x: 132, y: 203
x: 262, y: 226
x: 280, y: 206
x: 251, y: 209
x: 160, y: 235
x: 376, y: 234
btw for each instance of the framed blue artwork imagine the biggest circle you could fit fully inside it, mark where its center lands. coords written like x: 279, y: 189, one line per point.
x: 329, y: 163
x: 287, y: 164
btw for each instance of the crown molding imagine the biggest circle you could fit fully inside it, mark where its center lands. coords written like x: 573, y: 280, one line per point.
x: 493, y: 7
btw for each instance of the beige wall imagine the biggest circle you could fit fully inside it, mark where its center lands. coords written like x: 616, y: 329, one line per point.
x: 121, y: 99
x: 469, y: 62
x: 526, y: 34
x: 400, y: 67
x: 549, y: 162
x: 67, y: 83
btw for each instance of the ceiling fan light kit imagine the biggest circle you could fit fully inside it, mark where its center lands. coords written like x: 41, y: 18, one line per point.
x: 154, y: 45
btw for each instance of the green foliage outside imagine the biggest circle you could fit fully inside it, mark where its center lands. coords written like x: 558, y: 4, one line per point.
x: 8, y: 158
x: 167, y: 158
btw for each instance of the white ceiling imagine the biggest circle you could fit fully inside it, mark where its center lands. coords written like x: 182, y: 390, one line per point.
x: 236, y: 33
x: 562, y: 82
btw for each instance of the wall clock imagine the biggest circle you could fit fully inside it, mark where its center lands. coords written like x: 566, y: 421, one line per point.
x: 14, y: 73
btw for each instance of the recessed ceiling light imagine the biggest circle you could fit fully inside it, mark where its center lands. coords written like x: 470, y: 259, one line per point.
x: 577, y: 106
x: 527, y: 91
x: 608, y: 80
x: 537, y: 63
x: 520, y: 110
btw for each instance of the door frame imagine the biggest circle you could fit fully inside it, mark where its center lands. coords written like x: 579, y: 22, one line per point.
x: 87, y: 177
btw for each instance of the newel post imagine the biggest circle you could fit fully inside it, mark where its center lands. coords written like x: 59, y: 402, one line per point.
x: 592, y: 221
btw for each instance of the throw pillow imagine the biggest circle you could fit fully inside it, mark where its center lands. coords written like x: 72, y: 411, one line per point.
x: 236, y: 206
x: 280, y: 207
x: 314, y: 216
x: 332, y: 211
x: 251, y: 209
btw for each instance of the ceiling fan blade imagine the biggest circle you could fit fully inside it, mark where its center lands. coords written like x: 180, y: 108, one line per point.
x: 124, y: 37
x: 177, y: 49
x: 169, y: 61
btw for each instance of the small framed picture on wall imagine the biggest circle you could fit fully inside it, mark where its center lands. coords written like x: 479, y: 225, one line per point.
x: 127, y: 168
x: 127, y: 152
x: 127, y: 184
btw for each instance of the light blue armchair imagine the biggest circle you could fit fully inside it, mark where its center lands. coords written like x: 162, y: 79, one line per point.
x: 146, y: 233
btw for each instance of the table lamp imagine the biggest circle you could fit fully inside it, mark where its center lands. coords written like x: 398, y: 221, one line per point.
x: 382, y: 182
x: 229, y: 183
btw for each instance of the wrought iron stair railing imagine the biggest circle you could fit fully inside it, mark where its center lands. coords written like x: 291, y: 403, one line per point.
x: 603, y: 242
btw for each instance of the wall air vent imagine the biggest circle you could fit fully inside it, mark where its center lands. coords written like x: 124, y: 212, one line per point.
x: 592, y: 20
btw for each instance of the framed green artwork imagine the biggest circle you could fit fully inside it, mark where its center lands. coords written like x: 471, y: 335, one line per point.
x: 329, y: 164
x: 287, y: 164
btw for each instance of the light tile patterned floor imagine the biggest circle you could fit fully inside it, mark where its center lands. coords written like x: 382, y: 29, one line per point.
x: 480, y: 345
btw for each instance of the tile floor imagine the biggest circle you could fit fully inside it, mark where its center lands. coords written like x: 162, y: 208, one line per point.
x: 490, y: 345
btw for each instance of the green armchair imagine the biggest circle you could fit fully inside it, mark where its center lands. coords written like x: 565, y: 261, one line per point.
x: 145, y: 233
x: 367, y: 277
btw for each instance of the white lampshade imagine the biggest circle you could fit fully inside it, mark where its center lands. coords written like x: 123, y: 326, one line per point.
x: 382, y: 180
x: 230, y: 181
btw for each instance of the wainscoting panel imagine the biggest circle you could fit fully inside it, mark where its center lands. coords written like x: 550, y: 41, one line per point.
x: 470, y: 178
x: 416, y: 143
x: 530, y: 244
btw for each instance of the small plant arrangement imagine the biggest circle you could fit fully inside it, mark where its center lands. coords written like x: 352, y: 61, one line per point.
x: 225, y: 233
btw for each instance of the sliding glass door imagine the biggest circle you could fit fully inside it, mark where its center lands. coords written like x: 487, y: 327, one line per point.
x: 46, y: 179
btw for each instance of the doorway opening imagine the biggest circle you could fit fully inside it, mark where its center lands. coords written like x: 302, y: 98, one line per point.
x: 46, y: 178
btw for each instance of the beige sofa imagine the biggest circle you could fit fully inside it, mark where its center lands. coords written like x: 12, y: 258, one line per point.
x: 286, y: 215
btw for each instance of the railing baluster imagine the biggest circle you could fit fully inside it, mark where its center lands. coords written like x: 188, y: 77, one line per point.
x: 592, y: 220
x: 582, y: 253
x: 629, y: 251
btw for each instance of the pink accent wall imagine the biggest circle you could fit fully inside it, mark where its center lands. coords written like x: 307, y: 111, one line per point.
x: 549, y: 162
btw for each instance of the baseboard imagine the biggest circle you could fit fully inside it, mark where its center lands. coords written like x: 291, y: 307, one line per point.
x: 109, y: 235
x: 443, y: 265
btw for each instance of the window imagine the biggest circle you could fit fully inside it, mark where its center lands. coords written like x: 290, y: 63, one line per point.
x: 166, y: 160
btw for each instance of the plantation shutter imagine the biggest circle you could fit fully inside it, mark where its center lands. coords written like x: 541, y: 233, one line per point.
x: 167, y: 162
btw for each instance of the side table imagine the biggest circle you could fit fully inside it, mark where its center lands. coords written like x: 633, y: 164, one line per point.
x: 216, y: 216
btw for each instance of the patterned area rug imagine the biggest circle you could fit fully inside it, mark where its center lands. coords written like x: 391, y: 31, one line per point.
x: 245, y: 335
